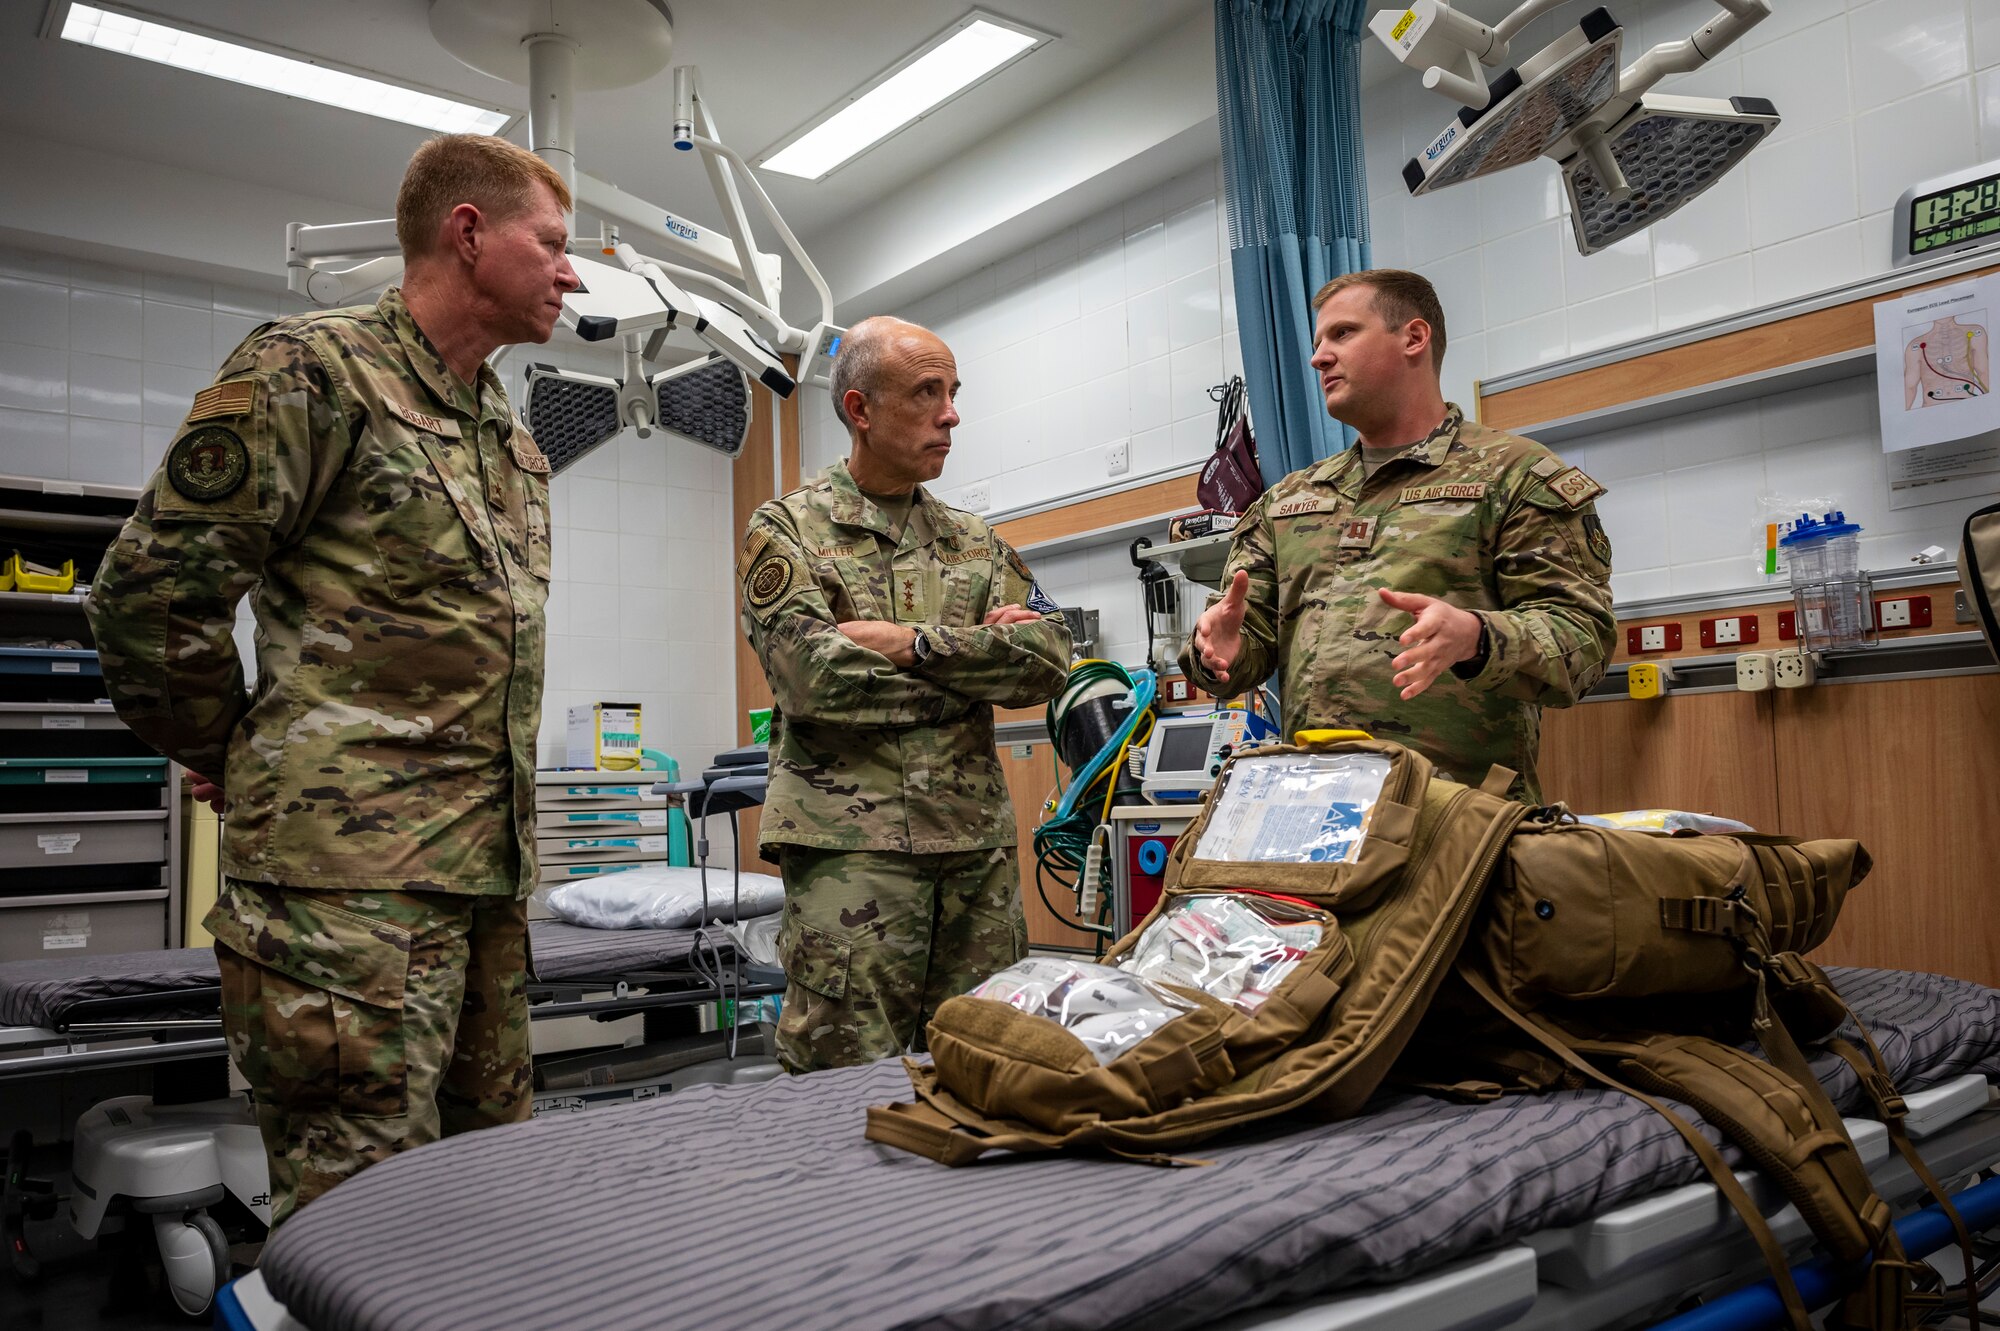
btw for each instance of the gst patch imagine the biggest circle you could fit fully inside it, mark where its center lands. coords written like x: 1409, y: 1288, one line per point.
x: 1357, y: 533
x: 1431, y: 494
x: 218, y: 401
x: 1574, y: 488
x: 436, y: 425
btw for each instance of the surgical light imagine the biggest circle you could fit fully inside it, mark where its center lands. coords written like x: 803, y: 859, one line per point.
x: 147, y: 39
x: 974, y: 49
x: 1629, y: 157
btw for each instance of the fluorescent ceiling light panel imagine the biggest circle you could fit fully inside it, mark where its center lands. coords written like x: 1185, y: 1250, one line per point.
x: 975, y: 48
x: 109, y: 30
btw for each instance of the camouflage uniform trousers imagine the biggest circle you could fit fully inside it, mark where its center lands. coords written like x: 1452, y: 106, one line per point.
x: 874, y: 941
x: 369, y: 1023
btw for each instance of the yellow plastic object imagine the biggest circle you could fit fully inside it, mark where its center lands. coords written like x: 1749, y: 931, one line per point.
x: 1645, y: 680
x: 201, y: 853
x: 1307, y: 738
x: 6, y: 575
x: 26, y: 580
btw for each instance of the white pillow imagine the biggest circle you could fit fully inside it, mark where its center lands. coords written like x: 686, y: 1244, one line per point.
x: 660, y: 896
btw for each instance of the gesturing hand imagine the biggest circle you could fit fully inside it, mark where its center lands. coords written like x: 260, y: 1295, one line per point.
x: 895, y: 641
x: 1218, y: 634
x: 1442, y: 636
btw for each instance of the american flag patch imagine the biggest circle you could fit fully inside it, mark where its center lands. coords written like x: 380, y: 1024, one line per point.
x: 217, y: 400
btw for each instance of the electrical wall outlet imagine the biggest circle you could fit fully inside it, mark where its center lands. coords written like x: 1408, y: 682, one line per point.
x: 978, y: 498
x: 1648, y: 679
x: 1177, y: 689
x: 1792, y: 669
x: 1753, y: 672
x: 1118, y: 458
x: 1641, y: 638
x: 1903, y: 612
x: 1729, y: 631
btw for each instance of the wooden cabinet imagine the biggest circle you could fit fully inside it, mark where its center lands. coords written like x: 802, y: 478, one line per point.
x: 1030, y: 770
x: 1909, y: 767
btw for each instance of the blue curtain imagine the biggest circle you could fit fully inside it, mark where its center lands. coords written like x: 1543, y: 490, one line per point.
x: 1289, y: 88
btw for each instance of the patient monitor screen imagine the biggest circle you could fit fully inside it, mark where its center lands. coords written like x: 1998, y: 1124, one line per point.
x: 1184, y: 749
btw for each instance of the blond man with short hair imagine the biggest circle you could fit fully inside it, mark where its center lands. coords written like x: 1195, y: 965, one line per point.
x: 361, y: 473
x: 1438, y: 583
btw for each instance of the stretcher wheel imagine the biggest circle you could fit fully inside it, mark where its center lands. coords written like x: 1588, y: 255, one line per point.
x: 194, y: 1253
x: 13, y: 1208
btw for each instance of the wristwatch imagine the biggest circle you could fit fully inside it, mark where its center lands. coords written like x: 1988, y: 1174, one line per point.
x: 1471, y: 666
x: 920, y: 646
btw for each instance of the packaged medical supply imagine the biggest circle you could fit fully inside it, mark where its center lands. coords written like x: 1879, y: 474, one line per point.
x: 1107, y: 1009
x: 1293, y: 808
x: 1665, y: 820
x: 604, y: 736
x: 1238, y: 948
x: 660, y: 896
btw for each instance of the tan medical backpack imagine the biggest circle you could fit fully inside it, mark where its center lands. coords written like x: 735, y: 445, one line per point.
x: 1480, y: 949
x: 1979, y: 571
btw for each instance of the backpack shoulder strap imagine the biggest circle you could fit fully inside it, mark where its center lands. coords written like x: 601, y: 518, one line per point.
x: 1558, y: 1044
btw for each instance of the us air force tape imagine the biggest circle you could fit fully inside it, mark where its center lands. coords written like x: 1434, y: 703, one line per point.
x: 208, y: 465
x: 768, y: 582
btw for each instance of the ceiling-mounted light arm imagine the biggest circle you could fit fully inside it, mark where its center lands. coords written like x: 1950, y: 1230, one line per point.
x: 1507, y: 29
x: 691, y: 110
x: 308, y: 247
x: 637, y: 405
x: 1449, y: 46
x: 686, y: 136
x: 1691, y: 53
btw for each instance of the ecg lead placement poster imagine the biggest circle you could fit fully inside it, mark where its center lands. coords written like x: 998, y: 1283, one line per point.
x: 1934, y: 364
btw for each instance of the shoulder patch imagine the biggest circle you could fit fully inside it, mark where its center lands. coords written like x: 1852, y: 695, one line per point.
x: 208, y: 464
x: 436, y: 425
x: 768, y: 582
x: 1574, y: 488
x: 528, y: 454
x: 217, y: 401
x: 752, y: 547
x: 1547, y: 467
x: 1018, y: 564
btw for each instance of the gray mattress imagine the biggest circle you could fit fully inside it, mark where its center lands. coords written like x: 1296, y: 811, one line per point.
x: 181, y: 984
x: 763, y: 1206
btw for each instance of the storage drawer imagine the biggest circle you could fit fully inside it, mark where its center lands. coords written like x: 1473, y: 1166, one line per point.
x: 552, y: 874
x: 651, y: 820
x: 42, y: 841
x: 84, y: 924
x: 601, y: 849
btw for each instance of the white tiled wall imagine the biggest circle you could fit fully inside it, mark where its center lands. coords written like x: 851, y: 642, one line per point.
x: 1875, y: 94
x: 98, y: 364
x: 1111, y: 331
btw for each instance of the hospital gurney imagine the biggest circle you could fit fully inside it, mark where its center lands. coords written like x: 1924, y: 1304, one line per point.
x: 1572, y: 1210
x: 152, y: 1007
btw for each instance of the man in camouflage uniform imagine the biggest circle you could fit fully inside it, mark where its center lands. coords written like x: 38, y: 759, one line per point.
x: 361, y: 471
x: 889, y: 626
x: 1490, y: 541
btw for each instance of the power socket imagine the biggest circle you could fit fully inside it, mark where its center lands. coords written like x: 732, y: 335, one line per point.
x: 1791, y: 669
x: 978, y: 498
x: 1753, y: 672
x: 1118, y: 458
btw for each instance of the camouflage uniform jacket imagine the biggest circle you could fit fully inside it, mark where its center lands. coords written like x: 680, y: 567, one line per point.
x: 865, y: 755
x: 1488, y: 521
x: 392, y: 525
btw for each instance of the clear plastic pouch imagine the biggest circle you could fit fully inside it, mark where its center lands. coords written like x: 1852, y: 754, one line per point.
x: 1107, y: 1009
x: 1236, y: 948
x: 1294, y: 808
